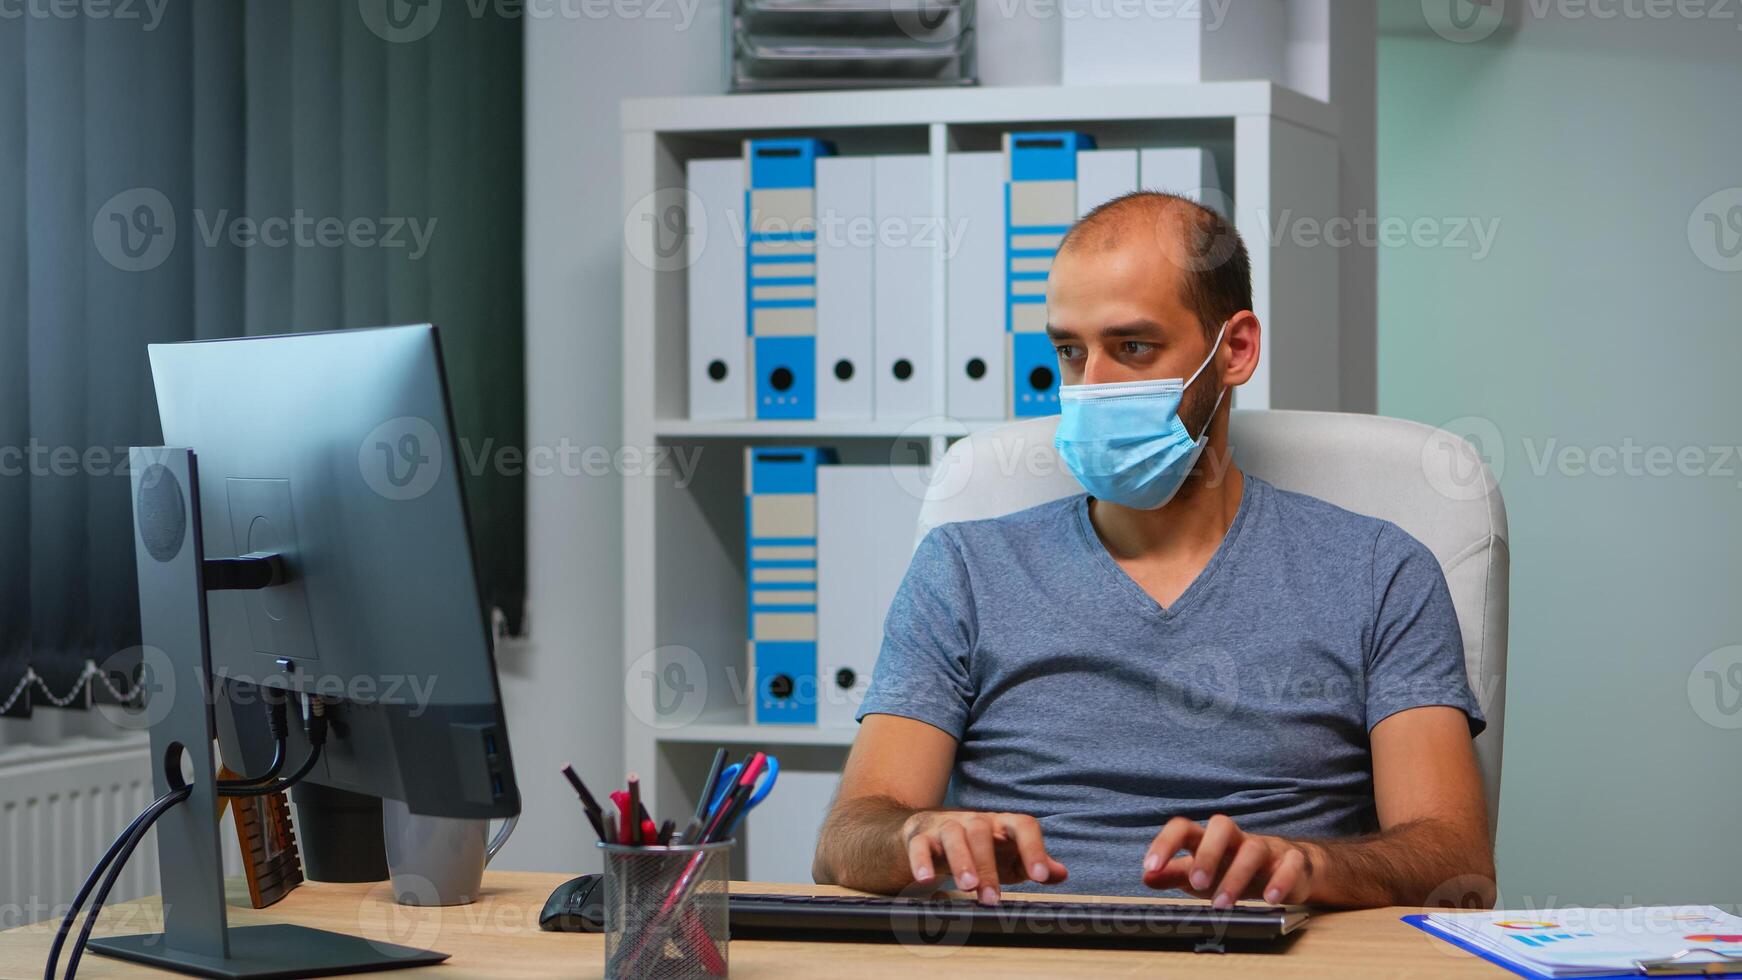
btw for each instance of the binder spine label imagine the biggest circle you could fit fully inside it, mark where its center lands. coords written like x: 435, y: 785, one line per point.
x: 780, y: 284
x: 1040, y: 203
x: 780, y: 520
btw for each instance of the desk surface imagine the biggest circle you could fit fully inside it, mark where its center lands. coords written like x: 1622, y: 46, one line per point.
x: 498, y: 937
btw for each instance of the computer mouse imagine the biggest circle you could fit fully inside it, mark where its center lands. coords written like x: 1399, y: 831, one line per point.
x: 577, y: 905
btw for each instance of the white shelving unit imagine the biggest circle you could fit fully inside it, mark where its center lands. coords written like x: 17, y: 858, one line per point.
x: 684, y: 658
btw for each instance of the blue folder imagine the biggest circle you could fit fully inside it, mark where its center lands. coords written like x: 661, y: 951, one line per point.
x: 1421, y: 922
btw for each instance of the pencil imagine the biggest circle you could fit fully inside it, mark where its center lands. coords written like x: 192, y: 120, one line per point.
x: 635, y: 811
x: 707, y: 797
x: 595, y: 816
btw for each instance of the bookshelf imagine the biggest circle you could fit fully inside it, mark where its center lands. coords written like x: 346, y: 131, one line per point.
x: 686, y: 684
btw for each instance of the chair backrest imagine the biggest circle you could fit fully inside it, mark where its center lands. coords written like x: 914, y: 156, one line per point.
x: 1427, y: 481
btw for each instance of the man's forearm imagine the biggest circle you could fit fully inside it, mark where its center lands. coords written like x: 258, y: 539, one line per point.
x: 1406, y: 865
x: 861, y: 846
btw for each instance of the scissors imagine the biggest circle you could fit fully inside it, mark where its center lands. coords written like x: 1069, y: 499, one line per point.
x: 729, y: 778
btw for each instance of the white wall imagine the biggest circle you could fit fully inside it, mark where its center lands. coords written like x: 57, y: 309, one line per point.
x: 1596, y: 321
x: 564, y: 687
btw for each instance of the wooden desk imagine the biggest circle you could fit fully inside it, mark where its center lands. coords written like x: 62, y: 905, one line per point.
x: 498, y: 938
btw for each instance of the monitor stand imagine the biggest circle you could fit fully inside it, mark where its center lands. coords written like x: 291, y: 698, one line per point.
x: 174, y: 576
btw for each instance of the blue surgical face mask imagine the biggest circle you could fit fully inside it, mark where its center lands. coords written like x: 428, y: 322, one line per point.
x: 1124, y: 441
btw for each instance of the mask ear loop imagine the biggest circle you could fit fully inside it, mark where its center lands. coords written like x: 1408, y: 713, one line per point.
x: 1220, y: 395
x: 1213, y: 410
x: 1212, y: 355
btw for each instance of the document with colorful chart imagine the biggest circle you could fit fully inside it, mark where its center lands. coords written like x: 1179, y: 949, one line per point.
x: 1585, y: 942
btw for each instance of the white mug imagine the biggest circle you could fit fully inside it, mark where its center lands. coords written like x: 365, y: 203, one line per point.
x: 438, y: 860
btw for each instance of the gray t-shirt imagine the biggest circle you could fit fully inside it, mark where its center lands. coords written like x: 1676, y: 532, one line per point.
x: 1077, y: 699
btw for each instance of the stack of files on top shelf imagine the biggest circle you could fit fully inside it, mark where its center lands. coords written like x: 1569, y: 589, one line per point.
x: 1586, y: 942
x: 1008, y: 211
x: 810, y: 293
x: 833, y: 44
x: 828, y: 545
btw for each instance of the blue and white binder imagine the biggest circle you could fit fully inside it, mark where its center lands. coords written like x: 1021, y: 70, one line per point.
x: 1040, y: 203
x: 780, y: 275
x: 780, y: 533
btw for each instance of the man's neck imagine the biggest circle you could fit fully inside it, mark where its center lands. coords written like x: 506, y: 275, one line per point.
x: 1193, y: 523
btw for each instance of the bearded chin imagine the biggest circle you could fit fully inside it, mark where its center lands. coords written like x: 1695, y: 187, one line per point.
x: 1195, y: 411
x: 1195, y: 408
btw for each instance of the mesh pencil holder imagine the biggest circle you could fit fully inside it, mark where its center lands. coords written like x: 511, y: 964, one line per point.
x: 665, y: 911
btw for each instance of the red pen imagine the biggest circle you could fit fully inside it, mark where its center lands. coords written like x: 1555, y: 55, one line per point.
x: 625, y: 819
x: 687, y: 879
x: 634, y: 811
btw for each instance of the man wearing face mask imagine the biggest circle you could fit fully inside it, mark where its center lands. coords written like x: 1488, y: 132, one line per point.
x: 1184, y: 678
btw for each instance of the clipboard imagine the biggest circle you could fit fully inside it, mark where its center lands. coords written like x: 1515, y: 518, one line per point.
x: 1653, y: 968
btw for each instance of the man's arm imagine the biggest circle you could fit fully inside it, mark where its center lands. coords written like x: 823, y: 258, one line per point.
x: 898, y: 767
x: 885, y: 832
x: 1433, y: 839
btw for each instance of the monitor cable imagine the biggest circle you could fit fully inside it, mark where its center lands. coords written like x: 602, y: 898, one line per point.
x: 315, y: 726
x: 121, y: 849
x: 278, y: 722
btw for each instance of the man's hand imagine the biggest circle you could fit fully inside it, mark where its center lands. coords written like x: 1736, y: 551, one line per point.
x: 887, y: 829
x: 1225, y: 863
x: 981, y: 850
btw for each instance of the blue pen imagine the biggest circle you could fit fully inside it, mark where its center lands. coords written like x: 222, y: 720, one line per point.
x: 729, y: 778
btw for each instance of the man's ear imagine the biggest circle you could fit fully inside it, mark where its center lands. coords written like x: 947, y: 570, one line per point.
x: 1244, y: 341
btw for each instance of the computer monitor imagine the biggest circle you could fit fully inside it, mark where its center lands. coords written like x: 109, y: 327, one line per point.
x: 337, y: 452
x: 304, y: 528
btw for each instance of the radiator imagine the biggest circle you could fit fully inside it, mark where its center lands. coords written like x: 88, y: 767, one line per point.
x: 61, y: 805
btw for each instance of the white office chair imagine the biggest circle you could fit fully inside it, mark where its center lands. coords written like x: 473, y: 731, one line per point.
x: 1428, y: 482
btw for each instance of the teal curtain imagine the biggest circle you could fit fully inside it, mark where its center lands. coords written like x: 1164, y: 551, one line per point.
x: 216, y: 117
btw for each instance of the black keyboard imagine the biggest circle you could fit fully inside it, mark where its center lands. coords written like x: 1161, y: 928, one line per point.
x: 944, y: 922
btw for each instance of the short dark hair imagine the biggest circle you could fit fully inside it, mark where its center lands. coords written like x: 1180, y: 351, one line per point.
x: 1216, y: 270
